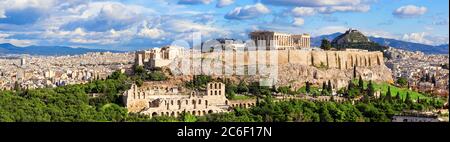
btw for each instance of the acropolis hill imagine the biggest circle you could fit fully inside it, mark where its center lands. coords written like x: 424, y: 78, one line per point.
x: 295, y: 60
x: 295, y: 67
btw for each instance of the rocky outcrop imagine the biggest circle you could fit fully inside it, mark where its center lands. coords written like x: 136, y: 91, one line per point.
x: 355, y: 39
x: 350, y: 36
x: 293, y: 67
x: 297, y: 75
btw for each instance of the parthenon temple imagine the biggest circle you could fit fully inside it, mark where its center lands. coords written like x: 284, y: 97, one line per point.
x: 280, y: 40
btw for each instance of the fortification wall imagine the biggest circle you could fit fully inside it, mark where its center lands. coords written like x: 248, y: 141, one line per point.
x: 329, y: 59
x: 295, y: 67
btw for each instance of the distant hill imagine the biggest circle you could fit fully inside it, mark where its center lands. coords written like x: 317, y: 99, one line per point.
x: 316, y: 41
x: 428, y: 49
x: 357, y: 40
x: 7, y: 48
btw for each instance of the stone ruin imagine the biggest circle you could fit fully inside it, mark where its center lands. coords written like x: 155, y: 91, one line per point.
x: 165, y: 100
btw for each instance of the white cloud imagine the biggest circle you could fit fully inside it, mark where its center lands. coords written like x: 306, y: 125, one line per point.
x: 416, y: 37
x: 81, y: 36
x: 194, y: 1
x: 425, y: 38
x: 441, y: 22
x: 248, y: 12
x: 330, y: 30
x: 2, y: 13
x: 303, y: 11
x: 85, y: 41
x: 182, y: 26
x: 104, y: 16
x: 379, y: 33
x: 309, y: 11
x: 223, y: 3
x: 333, y: 9
x: 4, y: 35
x: 428, y: 28
x: 24, y: 12
x: 409, y: 11
x: 104, y: 23
x: 298, y: 22
x: 312, y: 3
x: 149, y: 32
x: 4, y: 38
x: 23, y: 4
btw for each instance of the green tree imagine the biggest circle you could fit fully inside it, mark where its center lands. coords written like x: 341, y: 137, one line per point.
x: 402, y: 81
x: 408, y: 98
x: 361, y: 83
x: 308, y: 87
x: 354, y: 71
x: 324, y: 88
x: 17, y: 86
x: 114, y: 112
x: 433, y: 80
x: 186, y: 117
x: 427, y: 77
x: 389, y: 93
x: 156, y: 76
x: 399, y: 97
x: 139, y: 70
x: 370, y: 89
x: 325, y: 115
x: 329, y: 87
x: 350, y: 85
x: 117, y: 75
x: 139, y: 82
x: 325, y: 45
x: 242, y: 87
x: 387, y: 97
x: 230, y: 90
x: 199, y: 81
x: 231, y: 95
x: 284, y: 89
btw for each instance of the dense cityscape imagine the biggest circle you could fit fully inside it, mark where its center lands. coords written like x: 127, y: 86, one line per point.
x: 427, y: 73
x: 30, y: 72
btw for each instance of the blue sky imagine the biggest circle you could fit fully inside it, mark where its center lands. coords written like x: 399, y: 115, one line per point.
x: 140, y: 24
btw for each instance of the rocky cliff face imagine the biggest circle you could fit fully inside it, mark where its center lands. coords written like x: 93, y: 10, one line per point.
x: 295, y: 68
x: 297, y: 75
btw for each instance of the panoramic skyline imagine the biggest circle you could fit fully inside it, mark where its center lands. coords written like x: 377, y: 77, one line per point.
x: 140, y: 24
x: 173, y: 61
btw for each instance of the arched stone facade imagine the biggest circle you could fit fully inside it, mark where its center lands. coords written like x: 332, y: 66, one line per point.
x: 165, y: 101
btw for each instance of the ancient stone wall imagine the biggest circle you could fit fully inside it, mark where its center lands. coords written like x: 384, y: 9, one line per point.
x: 329, y: 59
x: 243, y: 103
x: 295, y: 67
x: 164, y: 100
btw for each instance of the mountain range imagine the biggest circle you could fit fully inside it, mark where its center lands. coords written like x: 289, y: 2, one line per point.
x: 410, y: 46
x: 7, y: 48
